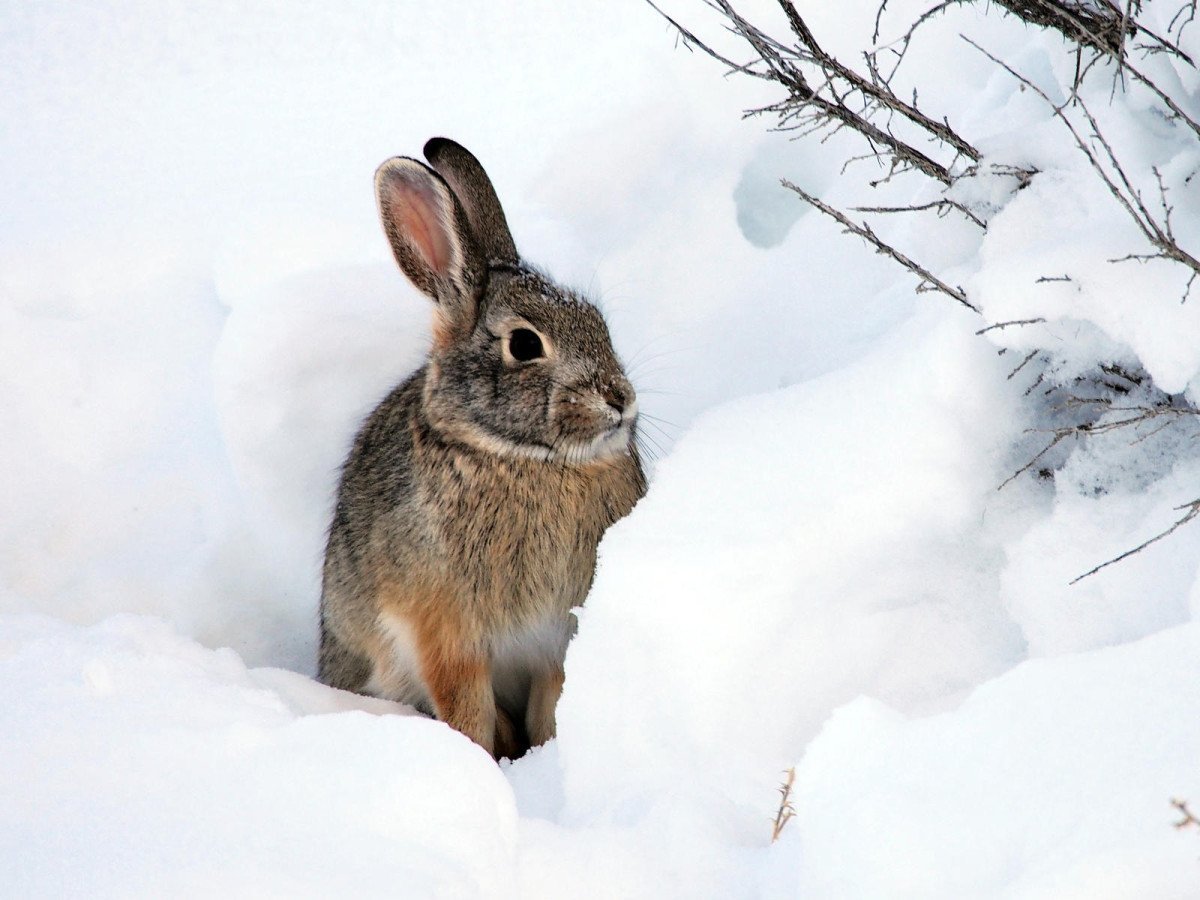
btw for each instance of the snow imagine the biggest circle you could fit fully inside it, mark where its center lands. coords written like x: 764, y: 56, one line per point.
x: 197, y: 308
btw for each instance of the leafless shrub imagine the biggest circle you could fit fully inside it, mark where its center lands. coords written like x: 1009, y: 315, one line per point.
x: 823, y: 95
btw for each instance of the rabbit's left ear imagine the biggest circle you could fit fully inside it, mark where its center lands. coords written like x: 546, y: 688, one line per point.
x: 430, y: 237
x: 474, y: 190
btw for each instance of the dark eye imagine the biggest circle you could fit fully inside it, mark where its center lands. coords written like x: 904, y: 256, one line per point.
x: 524, y: 345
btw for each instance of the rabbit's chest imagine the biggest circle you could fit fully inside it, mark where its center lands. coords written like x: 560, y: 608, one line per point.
x: 523, y: 538
x: 526, y: 547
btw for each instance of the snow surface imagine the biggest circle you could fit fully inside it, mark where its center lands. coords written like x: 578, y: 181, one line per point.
x: 197, y: 308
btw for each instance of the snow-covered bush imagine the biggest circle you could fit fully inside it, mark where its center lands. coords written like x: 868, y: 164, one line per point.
x: 1078, y: 204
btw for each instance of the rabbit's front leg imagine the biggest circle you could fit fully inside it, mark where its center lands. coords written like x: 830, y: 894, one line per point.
x: 544, y: 689
x: 509, y: 743
x: 459, y: 680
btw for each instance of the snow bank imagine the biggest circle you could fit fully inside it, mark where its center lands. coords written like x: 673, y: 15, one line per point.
x: 138, y: 763
x: 1027, y: 790
x: 739, y: 610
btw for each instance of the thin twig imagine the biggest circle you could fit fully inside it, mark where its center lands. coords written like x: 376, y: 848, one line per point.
x: 1059, y: 436
x: 864, y: 231
x: 1036, y: 321
x: 942, y: 206
x: 1187, y: 820
x: 1023, y: 364
x: 1193, y: 510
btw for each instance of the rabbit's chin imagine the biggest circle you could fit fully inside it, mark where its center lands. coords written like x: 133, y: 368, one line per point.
x: 609, y: 444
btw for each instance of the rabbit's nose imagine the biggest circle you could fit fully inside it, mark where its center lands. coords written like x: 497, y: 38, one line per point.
x: 617, y: 393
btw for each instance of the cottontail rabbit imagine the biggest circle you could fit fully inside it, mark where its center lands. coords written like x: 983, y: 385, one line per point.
x: 472, y: 502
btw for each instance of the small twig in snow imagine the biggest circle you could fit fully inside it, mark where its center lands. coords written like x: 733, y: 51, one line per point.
x: 1188, y: 820
x: 1023, y: 364
x: 786, y: 810
x: 1036, y: 321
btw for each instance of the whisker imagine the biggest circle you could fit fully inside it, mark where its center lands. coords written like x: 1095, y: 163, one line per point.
x: 646, y: 345
x: 646, y: 437
x: 654, y: 418
x: 645, y: 450
x: 646, y: 390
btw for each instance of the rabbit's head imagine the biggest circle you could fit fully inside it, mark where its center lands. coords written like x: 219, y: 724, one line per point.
x: 520, y: 366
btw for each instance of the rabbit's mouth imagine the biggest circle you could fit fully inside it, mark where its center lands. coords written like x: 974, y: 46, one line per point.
x: 612, y: 441
x: 599, y: 440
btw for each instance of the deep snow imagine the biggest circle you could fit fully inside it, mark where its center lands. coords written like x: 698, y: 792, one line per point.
x: 198, y: 308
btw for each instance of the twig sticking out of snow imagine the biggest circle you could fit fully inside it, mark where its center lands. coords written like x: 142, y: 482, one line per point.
x: 786, y: 810
x: 1188, y: 820
x: 1002, y: 325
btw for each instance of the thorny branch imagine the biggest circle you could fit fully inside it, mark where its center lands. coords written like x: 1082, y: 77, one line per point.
x: 786, y: 810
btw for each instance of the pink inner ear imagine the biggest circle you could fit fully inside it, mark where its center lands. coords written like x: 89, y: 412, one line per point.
x: 418, y: 218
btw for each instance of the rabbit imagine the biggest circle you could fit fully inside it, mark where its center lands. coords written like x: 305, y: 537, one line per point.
x: 474, y: 496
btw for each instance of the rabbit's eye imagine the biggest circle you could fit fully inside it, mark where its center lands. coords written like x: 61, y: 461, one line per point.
x: 525, y: 345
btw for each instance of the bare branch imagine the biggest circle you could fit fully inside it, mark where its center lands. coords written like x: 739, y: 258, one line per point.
x: 1099, y: 26
x: 1118, y: 183
x: 786, y: 810
x: 1059, y: 436
x: 1023, y: 364
x: 823, y: 92
x: 690, y: 40
x: 864, y: 231
x: 1187, y: 820
x: 1185, y: 15
x: 877, y: 92
x: 1036, y: 321
x: 1193, y: 510
x: 942, y: 206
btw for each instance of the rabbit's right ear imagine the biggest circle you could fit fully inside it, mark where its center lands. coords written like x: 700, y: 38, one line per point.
x: 473, y: 188
x: 430, y: 237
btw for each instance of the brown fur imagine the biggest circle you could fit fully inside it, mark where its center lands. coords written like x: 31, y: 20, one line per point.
x: 475, y: 495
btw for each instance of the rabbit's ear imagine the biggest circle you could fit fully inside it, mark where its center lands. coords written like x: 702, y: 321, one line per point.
x: 430, y: 237
x: 474, y: 190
